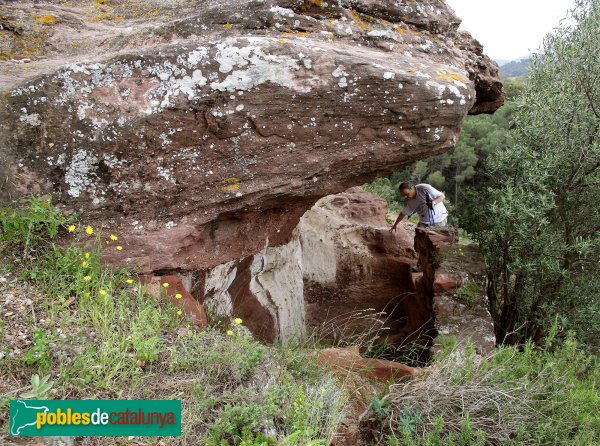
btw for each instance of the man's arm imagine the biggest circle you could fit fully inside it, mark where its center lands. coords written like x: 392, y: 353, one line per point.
x: 400, y: 217
x: 439, y: 199
x: 436, y: 195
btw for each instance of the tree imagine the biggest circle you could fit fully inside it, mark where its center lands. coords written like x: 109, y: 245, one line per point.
x: 419, y: 171
x: 436, y: 179
x: 541, y: 228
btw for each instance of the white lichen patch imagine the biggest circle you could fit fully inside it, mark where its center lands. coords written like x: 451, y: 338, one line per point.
x: 261, y: 67
x: 32, y: 119
x: 188, y: 85
x: 339, y: 72
x: 80, y: 173
x: 283, y: 12
x: 197, y: 56
x: 388, y: 75
x: 385, y: 33
x: 166, y: 173
x: 112, y: 161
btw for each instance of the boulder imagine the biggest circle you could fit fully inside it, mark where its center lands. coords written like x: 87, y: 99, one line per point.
x: 178, y: 295
x: 203, y: 130
x: 453, y: 285
x: 349, y: 359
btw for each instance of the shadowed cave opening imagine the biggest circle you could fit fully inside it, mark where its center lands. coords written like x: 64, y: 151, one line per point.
x: 370, y: 297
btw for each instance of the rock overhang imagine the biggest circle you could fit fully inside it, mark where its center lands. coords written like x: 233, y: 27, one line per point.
x: 232, y: 118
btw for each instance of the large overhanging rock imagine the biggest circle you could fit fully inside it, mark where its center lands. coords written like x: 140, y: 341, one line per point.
x: 202, y: 130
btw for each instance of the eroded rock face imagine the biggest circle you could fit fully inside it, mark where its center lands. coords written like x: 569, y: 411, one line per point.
x: 202, y: 130
x: 346, y: 276
x: 452, y: 284
x: 343, y: 272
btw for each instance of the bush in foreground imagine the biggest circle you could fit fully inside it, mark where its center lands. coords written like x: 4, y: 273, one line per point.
x: 78, y: 330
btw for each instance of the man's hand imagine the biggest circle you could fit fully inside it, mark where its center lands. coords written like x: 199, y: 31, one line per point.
x: 400, y: 217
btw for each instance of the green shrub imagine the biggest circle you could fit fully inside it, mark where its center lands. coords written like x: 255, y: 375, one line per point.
x: 30, y: 222
x: 535, y: 395
x: 39, y: 353
x: 469, y: 293
x: 115, y: 341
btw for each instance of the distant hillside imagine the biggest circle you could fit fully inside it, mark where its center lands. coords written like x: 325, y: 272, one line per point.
x: 515, y: 68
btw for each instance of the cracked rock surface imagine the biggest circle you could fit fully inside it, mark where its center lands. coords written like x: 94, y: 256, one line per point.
x: 202, y: 130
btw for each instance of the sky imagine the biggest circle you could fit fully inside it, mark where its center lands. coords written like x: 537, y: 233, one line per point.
x: 510, y: 29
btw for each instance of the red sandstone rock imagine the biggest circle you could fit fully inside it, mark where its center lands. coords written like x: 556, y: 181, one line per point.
x: 349, y: 359
x: 445, y: 265
x: 204, y: 132
x: 187, y: 302
x: 342, y: 273
x: 444, y: 282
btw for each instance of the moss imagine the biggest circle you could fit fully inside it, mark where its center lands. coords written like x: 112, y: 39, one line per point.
x: 101, y: 16
x: 469, y: 293
x: 451, y: 77
x: 45, y: 19
x: 296, y: 33
x: 307, y: 5
x: 360, y: 22
x: 230, y: 184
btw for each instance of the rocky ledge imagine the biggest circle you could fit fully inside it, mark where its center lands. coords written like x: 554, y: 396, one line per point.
x: 201, y: 131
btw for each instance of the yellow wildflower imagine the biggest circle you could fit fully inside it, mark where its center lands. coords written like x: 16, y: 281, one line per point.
x: 87, y: 278
x: 230, y: 333
x: 113, y: 237
x: 179, y: 312
x: 119, y: 248
x: 89, y: 230
x: 87, y: 255
x: 178, y: 296
x: 102, y: 292
x: 238, y: 320
x: 166, y: 285
x: 72, y: 228
x: 129, y: 281
x: 84, y: 264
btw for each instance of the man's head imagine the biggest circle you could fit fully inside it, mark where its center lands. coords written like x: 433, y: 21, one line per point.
x: 407, y: 190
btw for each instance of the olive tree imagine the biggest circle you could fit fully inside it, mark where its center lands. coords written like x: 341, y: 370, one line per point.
x: 539, y: 221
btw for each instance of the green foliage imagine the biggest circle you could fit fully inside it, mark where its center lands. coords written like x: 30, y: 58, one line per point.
x: 379, y: 407
x: 458, y: 173
x: 144, y: 334
x: 39, y: 388
x: 540, y: 235
x: 514, y: 88
x: 39, y: 353
x: 28, y: 223
x: 388, y: 190
x: 436, y: 179
x: 515, y: 68
x: 111, y: 340
x: 523, y: 182
x: 469, y: 293
x: 535, y: 395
